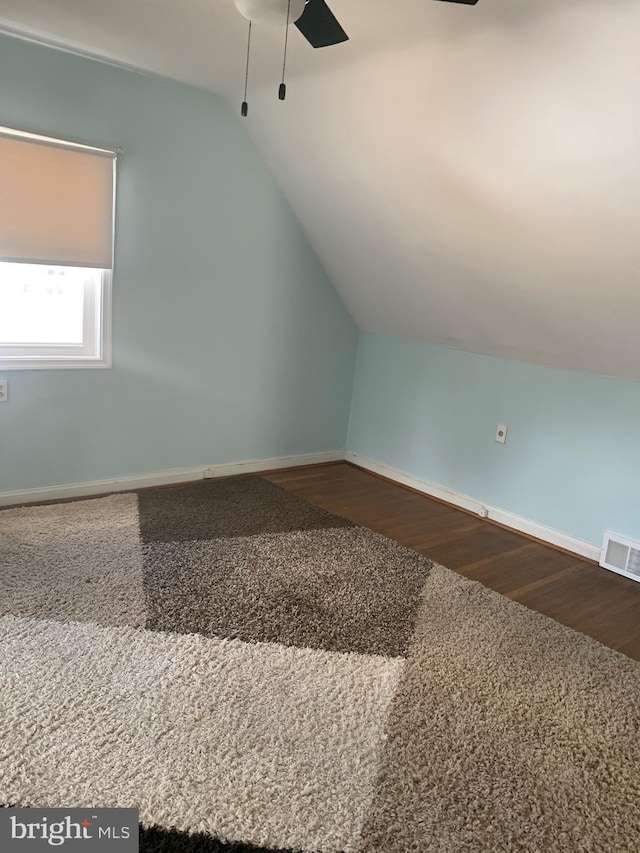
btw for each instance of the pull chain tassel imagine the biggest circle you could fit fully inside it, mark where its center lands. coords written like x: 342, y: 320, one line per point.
x: 282, y: 91
x: 245, y: 106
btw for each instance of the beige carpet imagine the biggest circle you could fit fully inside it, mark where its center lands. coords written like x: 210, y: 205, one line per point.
x: 509, y: 732
x: 253, y: 674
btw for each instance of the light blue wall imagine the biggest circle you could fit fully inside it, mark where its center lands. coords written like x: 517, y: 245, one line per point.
x: 572, y: 459
x: 229, y: 342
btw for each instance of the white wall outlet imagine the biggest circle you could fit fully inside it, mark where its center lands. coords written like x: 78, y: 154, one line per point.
x: 501, y: 433
x: 4, y: 390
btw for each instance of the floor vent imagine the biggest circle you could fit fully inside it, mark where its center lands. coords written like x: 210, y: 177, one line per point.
x: 621, y: 555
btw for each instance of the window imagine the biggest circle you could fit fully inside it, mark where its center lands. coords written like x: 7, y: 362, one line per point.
x: 56, y: 249
x: 54, y: 316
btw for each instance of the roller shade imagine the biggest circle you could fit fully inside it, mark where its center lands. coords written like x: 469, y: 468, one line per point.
x: 56, y: 202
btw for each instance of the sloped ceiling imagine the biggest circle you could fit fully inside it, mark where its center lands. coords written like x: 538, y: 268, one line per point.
x: 467, y: 175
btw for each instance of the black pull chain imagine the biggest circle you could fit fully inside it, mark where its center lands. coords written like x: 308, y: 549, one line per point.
x: 245, y: 106
x: 282, y: 91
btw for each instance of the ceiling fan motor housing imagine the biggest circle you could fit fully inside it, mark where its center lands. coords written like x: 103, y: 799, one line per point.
x: 273, y: 13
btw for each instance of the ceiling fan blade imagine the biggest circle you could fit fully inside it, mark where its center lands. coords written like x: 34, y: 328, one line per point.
x: 468, y: 2
x: 320, y: 26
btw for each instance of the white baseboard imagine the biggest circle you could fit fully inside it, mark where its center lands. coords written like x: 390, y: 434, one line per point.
x: 509, y: 519
x: 162, y: 478
x: 186, y: 475
x: 255, y: 465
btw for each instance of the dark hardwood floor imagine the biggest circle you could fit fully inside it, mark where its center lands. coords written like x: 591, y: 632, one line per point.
x: 573, y: 591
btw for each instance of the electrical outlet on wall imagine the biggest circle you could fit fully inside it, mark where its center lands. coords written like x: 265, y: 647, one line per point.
x: 501, y: 433
x: 4, y: 390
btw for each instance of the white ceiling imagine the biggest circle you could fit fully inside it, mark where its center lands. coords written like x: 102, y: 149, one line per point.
x: 468, y: 175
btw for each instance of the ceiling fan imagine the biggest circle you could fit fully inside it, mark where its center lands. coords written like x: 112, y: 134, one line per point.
x: 313, y: 18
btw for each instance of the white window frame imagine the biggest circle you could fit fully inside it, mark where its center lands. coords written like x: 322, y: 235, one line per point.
x: 94, y: 352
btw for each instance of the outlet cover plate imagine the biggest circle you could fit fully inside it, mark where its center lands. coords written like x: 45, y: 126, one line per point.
x: 501, y: 433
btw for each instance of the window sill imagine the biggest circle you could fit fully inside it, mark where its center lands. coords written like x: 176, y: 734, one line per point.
x: 54, y: 364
